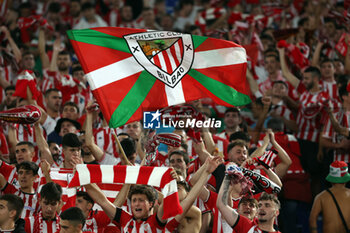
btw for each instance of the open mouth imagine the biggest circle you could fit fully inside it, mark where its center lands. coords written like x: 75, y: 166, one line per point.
x: 262, y: 214
x: 138, y: 210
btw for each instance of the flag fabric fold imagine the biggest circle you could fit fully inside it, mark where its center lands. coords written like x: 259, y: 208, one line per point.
x: 120, y: 174
x: 135, y: 70
x: 23, y: 81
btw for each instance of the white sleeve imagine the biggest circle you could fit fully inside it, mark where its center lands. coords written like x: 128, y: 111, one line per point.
x: 109, y: 160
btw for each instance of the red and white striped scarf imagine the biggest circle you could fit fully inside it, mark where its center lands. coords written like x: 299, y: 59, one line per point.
x: 120, y: 174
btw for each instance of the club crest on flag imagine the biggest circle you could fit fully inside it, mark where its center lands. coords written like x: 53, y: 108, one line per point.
x: 168, y: 56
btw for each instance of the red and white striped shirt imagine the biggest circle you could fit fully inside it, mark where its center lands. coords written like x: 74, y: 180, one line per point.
x: 332, y: 89
x: 113, y: 18
x: 30, y: 200
x: 343, y: 117
x: 10, y: 173
x: 36, y: 224
x: 128, y: 224
x: 282, y: 110
x: 267, y: 85
x: 96, y: 221
x: 219, y: 224
x: 309, y: 117
x: 105, y: 140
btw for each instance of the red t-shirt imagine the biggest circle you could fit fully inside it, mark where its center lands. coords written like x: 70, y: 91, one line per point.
x: 244, y: 225
x: 127, y: 223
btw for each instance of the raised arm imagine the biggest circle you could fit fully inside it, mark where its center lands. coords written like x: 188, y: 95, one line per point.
x: 3, y: 82
x: 254, y: 88
x: 208, y: 141
x: 98, y: 196
x: 261, y: 149
x: 45, y: 61
x: 16, y: 52
x: 42, y: 144
x: 45, y: 167
x: 210, y: 165
x: 89, y: 138
x: 337, y: 127
x: 202, y: 153
x: 282, y: 167
x: 122, y: 195
x: 228, y: 213
x: 56, y: 49
x: 285, y: 71
x: 12, y: 138
x: 316, y: 57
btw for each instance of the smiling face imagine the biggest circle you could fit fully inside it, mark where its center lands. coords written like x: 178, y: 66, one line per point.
x: 140, y: 206
x: 238, y: 154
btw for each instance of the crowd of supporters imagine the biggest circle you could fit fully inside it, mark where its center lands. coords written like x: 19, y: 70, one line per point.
x: 293, y: 132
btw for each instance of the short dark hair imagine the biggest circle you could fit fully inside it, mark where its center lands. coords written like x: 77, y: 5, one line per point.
x: 51, y: 192
x: 326, y: 60
x: 28, y: 166
x: 73, y: 214
x: 77, y: 68
x: 314, y: 71
x: 182, y: 153
x: 236, y: 143
x: 270, y: 197
x: 11, y: 87
x: 143, y: 189
x: 247, y: 199
x: 272, y: 55
x: 240, y: 135
x: 258, y: 101
x: 70, y: 103
x: 63, y: 53
x: 342, y: 92
x: 232, y: 110
x: 29, y: 144
x: 123, y: 134
x: 54, y: 7
x: 27, y: 52
x: 71, y: 140
x: 330, y: 20
x: 302, y: 21
x: 86, y: 6
x: 275, y: 124
x: 13, y: 203
x: 280, y: 82
x: 48, y: 92
x: 85, y: 196
x: 129, y: 146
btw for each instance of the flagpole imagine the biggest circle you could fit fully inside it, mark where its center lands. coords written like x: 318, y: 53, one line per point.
x: 122, y: 153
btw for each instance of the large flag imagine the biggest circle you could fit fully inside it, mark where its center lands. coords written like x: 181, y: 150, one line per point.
x: 134, y: 70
